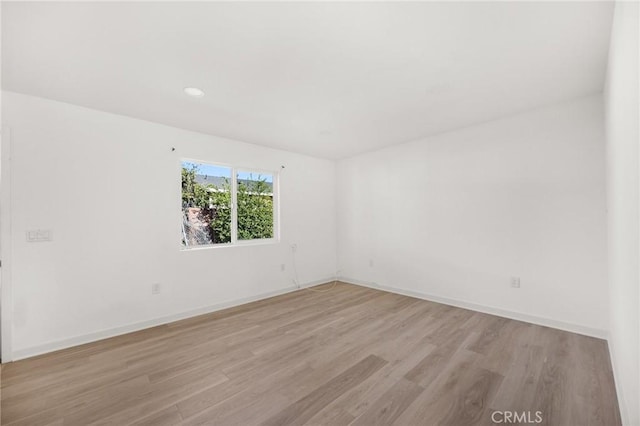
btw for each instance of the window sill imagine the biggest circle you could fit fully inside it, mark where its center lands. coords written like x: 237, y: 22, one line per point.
x: 245, y: 243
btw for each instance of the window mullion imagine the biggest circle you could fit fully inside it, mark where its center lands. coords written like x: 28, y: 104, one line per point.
x: 275, y: 191
x: 234, y: 206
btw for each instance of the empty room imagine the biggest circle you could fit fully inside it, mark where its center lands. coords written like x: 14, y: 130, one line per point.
x: 320, y: 213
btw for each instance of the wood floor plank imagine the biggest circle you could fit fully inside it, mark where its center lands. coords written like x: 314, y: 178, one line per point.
x: 460, y: 398
x: 210, y: 399
x: 350, y: 355
x: 246, y: 408
x: 519, y: 387
x: 597, y: 389
x: 337, y: 417
x: 432, y: 365
x: 170, y: 416
x: 95, y: 400
x: 156, y: 397
x: 390, y: 405
x: 363, y: 396
x: 306, y: 407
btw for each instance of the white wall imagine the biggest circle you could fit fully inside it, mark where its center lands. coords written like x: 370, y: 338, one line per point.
x: 623, y: 135
x: 108, y: 187
x: 455, y: 216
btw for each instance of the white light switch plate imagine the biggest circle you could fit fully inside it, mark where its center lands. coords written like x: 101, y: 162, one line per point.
x: 39, y: 235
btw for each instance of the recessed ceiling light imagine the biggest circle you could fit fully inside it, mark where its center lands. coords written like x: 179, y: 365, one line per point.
x: 194, y: 91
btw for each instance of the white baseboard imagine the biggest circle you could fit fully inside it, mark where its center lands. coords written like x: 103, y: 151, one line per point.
x: 547, y: 322
x: 622, y: 403
x: 117, y: 331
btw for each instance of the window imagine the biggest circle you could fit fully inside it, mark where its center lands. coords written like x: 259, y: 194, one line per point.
x: 255, y: 205
x: 224, y: 205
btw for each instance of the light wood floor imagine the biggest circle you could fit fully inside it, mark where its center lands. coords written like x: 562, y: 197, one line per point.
x: 351, y: 355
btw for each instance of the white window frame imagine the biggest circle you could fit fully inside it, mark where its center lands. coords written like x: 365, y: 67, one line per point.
x: 235, y: 242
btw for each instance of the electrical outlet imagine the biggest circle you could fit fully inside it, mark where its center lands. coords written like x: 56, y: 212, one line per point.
x: 515, y: 282
x: 155, y: 288
x: 294, y: 247
x: 283, y: 267
x: 370, y: 263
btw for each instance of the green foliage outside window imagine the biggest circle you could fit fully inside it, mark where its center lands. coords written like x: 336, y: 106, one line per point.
x: 255, y: 210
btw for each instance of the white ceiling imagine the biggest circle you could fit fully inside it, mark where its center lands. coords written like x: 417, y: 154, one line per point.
x: 325, y: 79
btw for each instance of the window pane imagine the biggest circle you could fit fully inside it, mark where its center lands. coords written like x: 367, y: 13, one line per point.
x: 255, y: 205
x: 206, y: 204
